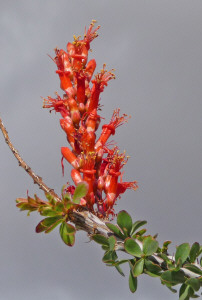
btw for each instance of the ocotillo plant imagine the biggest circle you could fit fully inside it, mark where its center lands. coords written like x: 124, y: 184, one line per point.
x: 97, y: 164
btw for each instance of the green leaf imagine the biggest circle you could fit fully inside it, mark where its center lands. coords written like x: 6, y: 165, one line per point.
x: 49, y: 229
x: 152, y: 267
x: 119, y: 270
x: 112, y: 242
x: 66, y: 197
x: 125, y: 222
x: 110, y: 258
x: 47, y: 223
x: 194, y: 283
x: 185, y: 292
x: 100, y: 239
x: 182, y: 289
x: 67, y: 233
x: 164, y: 257
x: 171, y: 289
x: 26, y: 206
x: 151, y: 274
x: 131, y: 263
x: 80, y: 191
x: 195, y: 296
x: 137, y: 225
x: 115, y: 229
x: 132, y: 247
x: 105, y: 248
x: 149, y: 246
x: 165, y: 246
x: 178, y: 266
x: 173, y: 277
x: 51, y: 199
x: 47, y: 212
x: 107, y: 257
x: 120, y: 262
x: 59, y: 207
x: 132, y: 283
x: 182, y: 252
x: 138, y: 267
x: 139, y: 233
x: 69, y: 205
x: 193, y: 268
x: 194, y: 252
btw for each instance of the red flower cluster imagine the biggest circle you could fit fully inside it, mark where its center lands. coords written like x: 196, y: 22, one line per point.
x: 91, y: 158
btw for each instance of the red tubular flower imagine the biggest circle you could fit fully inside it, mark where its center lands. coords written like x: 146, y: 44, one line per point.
x: 90, y: 68
x: 70, y: 157
x: 76, y: 176
x: 112, y: 190
x: 88, y: 142
x: 123, y: 186
x: 91, y: 34
x: 109, y: 129
x: 63, y: 62
x: 100, y: 183
x: 64, y: 70
x: 99, y: 83
x: 88, y: 171
x: 78, y: 50
x: 80, y: 88
x: 116, y: 162
x: 93, y: 161
x: 68, y: 127
x: 58, y: 104
x: 93, y: 121
x: 74, y: 111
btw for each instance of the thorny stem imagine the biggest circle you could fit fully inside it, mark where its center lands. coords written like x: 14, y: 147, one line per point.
x: 84, y: 220
x: 37, y: 179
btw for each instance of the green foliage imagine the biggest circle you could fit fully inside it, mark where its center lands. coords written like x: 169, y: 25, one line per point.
x: 132, y: 282
x: 116, y: 230
x: 194, y: 252
x: 150, y: 246
x: 125, y: 222
x: 145, y: 250
x: 137, y: 225
x: 138, y: 267
x: 48, y: 224
x: 152, y: 269
x: 182, y: 252
x: 132, y: 247
x: 100, y: 239
x: 80, y: 191
x: 172, y: 277
x: 67, y: 233
x: 55, y: 211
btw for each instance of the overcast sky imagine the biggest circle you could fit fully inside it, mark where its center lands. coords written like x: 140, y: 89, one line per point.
x: 156, y: 49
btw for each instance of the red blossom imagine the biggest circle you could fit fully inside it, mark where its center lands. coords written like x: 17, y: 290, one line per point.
x: 92, y: 159
x: 109, y: 129
x: 99, y: 83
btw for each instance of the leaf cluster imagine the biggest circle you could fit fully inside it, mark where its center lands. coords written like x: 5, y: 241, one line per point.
x: 151, y: 259
x: 55, y: 212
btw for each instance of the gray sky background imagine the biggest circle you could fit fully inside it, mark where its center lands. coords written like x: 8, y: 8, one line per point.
x: 156, y: 49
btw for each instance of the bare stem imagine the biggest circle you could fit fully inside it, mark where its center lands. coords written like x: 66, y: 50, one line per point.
x: 37, y: 179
